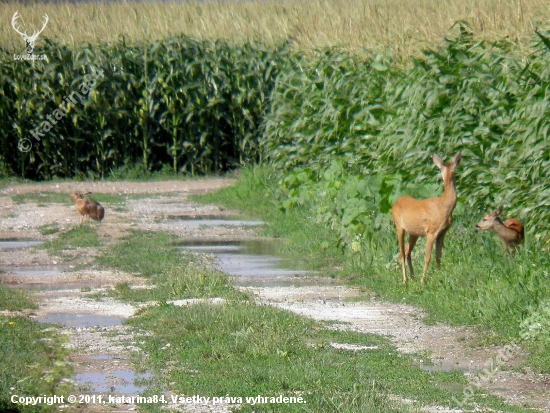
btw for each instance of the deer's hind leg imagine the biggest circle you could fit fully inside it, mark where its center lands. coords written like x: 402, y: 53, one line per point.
x: 439, y: 247
x: 401, y: 239
x: 430, y: 239
x: 410, y: 246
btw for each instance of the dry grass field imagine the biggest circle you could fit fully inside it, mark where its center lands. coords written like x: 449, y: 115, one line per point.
x: 404, y: 26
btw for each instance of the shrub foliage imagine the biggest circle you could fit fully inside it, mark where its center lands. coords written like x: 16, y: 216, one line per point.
x: 482, y: 98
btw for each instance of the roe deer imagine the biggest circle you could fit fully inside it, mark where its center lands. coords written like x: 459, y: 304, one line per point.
x: 87, y: 207
x: 511, y: 231
x: 430, y: 217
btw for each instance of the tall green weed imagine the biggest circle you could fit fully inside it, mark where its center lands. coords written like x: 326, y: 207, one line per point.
x: 482, y: 98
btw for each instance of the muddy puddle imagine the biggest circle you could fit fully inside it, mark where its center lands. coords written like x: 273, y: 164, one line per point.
x: 194, y: 223
x: 81, y: 320
x: 36, y: 271
x: 16, y: 244
x: 119, y: 382
x: 246, y: 260
x: 99, y: 373
x: 198, y: 222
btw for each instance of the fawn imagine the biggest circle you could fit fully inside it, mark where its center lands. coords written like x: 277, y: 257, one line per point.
x: 430, y: 218
x: 87, y: 207
x: 511, y: 231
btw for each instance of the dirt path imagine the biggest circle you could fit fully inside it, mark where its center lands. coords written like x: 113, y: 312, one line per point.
x: 104, y: 352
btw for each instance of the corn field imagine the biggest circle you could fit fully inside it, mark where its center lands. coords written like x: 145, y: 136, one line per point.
x: 200, y: 106
x: 192, y: 106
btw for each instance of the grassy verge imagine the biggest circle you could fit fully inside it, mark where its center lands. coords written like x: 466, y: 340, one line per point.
x: 171, y: 274
x: 238, y: 348
x: 32, y: 355
x: 477, y: 285
x: 82, y: 236
x: 244, y: 350
x: 14, y: 300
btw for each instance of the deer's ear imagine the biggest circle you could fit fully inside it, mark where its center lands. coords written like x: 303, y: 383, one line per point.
x: 438, y: 161
x: 457, y: 158
x: 499, y: 210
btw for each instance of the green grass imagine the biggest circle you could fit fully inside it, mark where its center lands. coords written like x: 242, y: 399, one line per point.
x: 145, y: 253
x: 82, y: 236
x: 243, y: 349
x: 41, y: 198
x: 477, y: 284
x: 49, y: 229
x: 12, y: 299
x: 171, y: 273
x: 33, y: 362
x: 137, y: 172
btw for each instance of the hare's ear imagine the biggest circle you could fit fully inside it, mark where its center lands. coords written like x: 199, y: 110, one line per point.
x: 86, y: 193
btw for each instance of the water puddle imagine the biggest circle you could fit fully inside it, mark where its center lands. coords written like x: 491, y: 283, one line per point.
x: 203, y: 217
x: 246, y: 259
x: 35, y: 271
x: 116, y: 382
x: 52, y: 287
x: 14, y: 244
x: 217, y: 222
x: 81, y: 320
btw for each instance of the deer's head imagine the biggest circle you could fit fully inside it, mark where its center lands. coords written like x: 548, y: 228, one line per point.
x: 488, y: 222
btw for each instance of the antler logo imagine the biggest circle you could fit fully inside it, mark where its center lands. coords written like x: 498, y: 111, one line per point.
x: 29, y: 40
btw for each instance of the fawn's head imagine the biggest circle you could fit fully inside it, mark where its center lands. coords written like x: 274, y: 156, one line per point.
x: 488, y: 222
x: 447, y: 169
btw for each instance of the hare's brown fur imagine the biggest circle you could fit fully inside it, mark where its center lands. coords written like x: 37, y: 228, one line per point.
x: 87, y: 207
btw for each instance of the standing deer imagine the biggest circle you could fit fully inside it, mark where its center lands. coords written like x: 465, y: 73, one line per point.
x: 511, y: 231
x: 29, y: 40
x: 430, y: 218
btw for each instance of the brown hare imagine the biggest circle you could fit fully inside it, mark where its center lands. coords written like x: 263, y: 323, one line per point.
x: 88, y: 208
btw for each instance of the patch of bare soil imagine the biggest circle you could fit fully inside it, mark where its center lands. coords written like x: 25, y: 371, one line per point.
x: 105, y: 349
